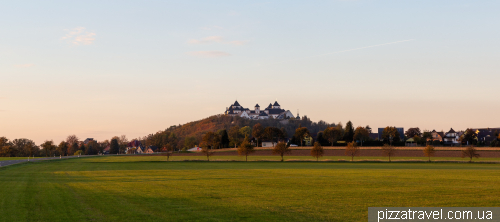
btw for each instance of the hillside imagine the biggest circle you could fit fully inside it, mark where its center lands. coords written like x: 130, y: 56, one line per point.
x: 215, y: 123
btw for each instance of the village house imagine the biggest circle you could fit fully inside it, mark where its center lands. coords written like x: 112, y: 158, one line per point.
x: 451, y: 138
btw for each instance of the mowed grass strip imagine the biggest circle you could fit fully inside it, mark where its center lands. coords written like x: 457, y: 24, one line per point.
x: 128, y: 188
x: 144, y: 157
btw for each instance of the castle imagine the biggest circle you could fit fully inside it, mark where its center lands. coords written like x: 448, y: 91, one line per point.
x: 273, y: 110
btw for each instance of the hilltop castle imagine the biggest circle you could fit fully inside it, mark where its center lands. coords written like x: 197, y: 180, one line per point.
x: 273, y: 110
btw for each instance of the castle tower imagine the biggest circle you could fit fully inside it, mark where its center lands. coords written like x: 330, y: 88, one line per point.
x: 257, y: 109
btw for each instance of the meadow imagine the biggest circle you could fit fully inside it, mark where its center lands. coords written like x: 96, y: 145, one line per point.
x: 148, y: 188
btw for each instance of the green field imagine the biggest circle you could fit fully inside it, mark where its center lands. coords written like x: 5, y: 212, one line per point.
x: 128, y: 188
x: 310, y: 158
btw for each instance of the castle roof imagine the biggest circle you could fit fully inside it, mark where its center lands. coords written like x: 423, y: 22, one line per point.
x: 276, y: 103
x: 236, y: 103
x: 263, y: 114
x: 257, y: 105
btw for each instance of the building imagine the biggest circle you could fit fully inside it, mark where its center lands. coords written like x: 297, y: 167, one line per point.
x: 86, y: 141
x: 486, y: 135
x: 273, y: 110
x: 437, y: 136
x: 400, y: 130
x: 451, y: 138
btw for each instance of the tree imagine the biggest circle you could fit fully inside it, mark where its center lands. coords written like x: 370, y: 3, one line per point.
x: 169, y: 151
x: 82, y: 147
x: 25, y: 147
x: 367, y: 127
x: 349, y: 132
x: 114, y: 147
x: 281, y: 149
x: 317, y: 151
x: 470, y: 152
x: 245, y: 131
x: 352, y: 150
x: 412, y: 132
x: 234, y: 135
x: 209, y: 141
x: 6, y: 149
x: 63, y: 148
x: 388, y: 150
x: 332, y: 134
x: 48, y: 147
x: 272, y: 132
x: 245, y: 148
x: 92, y: 148
x: 73, y: 148
x: 257, y: 131
x: 301, y: 133
x: 429, y: 151
x: 361, y: 134
x: 190, y: 142
x: 427, y: 136
x: 390, y: 134
x: 71, y: 139
x: 469, y: 137
x: 224, y: 138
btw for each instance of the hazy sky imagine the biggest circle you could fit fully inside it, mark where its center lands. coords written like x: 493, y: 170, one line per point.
x: 104, y: 68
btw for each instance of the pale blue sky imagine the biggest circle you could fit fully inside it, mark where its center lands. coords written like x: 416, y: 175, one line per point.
x: 104, y: 68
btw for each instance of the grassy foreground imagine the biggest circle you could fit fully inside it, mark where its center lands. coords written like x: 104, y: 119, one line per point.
x: 127, y: 188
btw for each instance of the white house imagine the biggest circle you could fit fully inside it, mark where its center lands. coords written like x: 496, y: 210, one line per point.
x: 451, y: 138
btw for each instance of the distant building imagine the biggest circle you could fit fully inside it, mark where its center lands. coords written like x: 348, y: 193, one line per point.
x: 273, y: 110
x: 437, y: 136
x: 400, y: 130
x: 451, y: 138
x: 86, y: 141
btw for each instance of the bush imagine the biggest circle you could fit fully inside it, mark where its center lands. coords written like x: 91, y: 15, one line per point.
x: 78, y: 152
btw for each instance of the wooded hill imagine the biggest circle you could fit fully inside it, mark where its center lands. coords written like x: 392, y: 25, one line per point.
x: 189, y: 134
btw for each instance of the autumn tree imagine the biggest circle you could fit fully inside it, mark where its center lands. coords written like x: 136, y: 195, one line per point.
x: 301, y: 133
x: 92, y: 148
x: 317, y: 151
x: 63, y: 148
x: 412, y: 132
x: 470, y: 152
x: 257, y: 132
x: 114, y: 147
x: 82, y: 147
x: 429, y: 151
x: 168, y: 151
x: 209, y: 141
x: 281, y: 149
x: 352, y: 150
x: 48, y: 147
x: 234, y: 135
x: 73, y: 148
x: 361, y: 134
x: 25, y: 147
x: 388, y: 151
x: 426, y: 136
x: 469, y: 137
x: 349, y: 132
x: 245, y: 131
x: 72, y: 139
x: 190, y: 142
x: 6, y: 149
x: 332, y: 134
x: 245, y: 148
x: 271, y: 133
x: 391, y: 134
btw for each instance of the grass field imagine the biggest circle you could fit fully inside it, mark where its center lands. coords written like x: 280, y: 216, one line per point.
x: 310, y: 158
x: 16, y: 158
x: 129, y: 188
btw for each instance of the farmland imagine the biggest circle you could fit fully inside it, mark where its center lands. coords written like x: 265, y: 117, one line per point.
x: 147, y: 188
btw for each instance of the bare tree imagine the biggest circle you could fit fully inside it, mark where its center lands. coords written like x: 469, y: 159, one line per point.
x: 429, y: 151
x: 281, y: 149
x: 470, y: 152
x: 352, y: 150
x: 388, y: 150
x: 169, y: 151
x: 317, y: 151
x: 72, y: 139
x: 245, y: 148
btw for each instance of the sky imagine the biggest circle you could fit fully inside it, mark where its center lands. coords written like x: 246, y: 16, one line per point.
x: 99, y: 69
